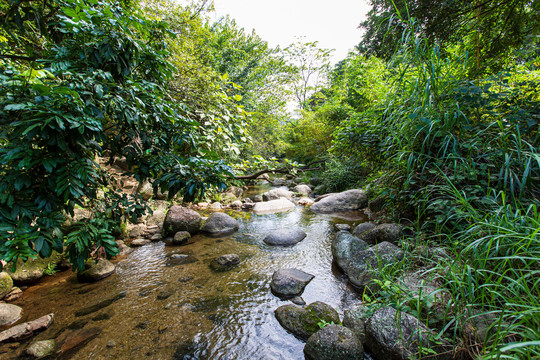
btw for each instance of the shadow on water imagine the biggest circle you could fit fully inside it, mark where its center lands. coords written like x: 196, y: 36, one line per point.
x: 176, y: 307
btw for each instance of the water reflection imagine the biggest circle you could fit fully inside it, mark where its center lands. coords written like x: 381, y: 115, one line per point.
x: 176, y: 307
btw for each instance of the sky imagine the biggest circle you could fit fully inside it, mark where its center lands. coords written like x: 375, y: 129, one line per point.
x: 334, y: 24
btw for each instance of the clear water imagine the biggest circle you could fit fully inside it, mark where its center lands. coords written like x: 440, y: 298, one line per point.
x: 208, y: 315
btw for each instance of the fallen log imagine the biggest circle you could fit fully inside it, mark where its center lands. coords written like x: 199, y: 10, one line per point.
x: 25, y: 330
x: 283, y: 170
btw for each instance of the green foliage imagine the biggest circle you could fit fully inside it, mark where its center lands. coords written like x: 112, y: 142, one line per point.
x: 486, y: 29
x: 342, y: 174
x: 98, y: 83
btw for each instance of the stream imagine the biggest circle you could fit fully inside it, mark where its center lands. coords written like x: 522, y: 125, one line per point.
x: 189, y: 311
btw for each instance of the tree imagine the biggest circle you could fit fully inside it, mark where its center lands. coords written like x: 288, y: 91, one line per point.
x: 79, y: 78
x: 490, y: 29
x: 311, y: 65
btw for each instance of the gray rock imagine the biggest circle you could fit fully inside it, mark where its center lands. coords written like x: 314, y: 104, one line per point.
x: 237, y: 204
x: 342, y: 246
x: 181, y: 219
x: 305, y: 321
x: 279, y: 182
x: 258, y: 198
x: 156, y: 218
x: 363, y: 227
x: 343, y: 201
x: 6, y: 284
x: 225, y: 262
x: 302, y: 189
x: 305, y: 201
x: 156, y: 237
x: 386, y: 232
x: 298, y: 301
x: 41, y: 349
x: 215, y: 206
x: 289, y: 282
x: 33, y: 269
x: 285, y: 237
x: 27, y: 329
x: 343, y: 227
x: 13, y: 295
x: 236, y: 191
x: 358, y: 260
x: 376, y: 204
x: 95, y: 271
x: 478, y: 326
x: 392, y: 335
x: 180, y: 259
x: 355, y: 319
x: 9, y: 314
x: 273, y: 206
x: 181, y: 238
x: 123, y: 249
x: 140, y: 242
x: 334, y: 342
x: 136, y: 231
x: 275, y: 194
x: 220, y: 224
x: 362, y: 262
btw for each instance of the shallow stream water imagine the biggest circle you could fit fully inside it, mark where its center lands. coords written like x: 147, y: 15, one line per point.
x: 189, y: 311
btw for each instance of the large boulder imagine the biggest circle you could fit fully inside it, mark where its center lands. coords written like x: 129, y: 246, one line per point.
x: 355, y: 319
x: 306, y: 321
x: 289, y: 282
x: 334, y: 342
x: 9, y: 314
x: 344, y: 201
x: 272, y: 206
x: 362, y: 262
x: 362, y: 228
x: 179, y: 218
x: 95, y: 271
x: 6, y: 284
x: 278, y: 193
x: 386, y: 232
x: 358, y: 260
x: 302, y: 189
x: 220, y: 224
x: 342, y: 246
x: 33, y: 269
x: 397, y: 335
x: 285, y: 237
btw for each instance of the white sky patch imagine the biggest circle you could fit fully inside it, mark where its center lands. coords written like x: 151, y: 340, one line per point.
x: 334, y: 24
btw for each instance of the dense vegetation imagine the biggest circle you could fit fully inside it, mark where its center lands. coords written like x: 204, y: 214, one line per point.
x: 436, y: 113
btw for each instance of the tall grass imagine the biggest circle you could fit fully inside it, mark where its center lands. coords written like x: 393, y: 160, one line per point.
x: 465, y: 155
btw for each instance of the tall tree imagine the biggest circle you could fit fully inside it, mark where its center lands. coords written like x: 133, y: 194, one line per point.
x: 77, y: 78
x: 489, y: 29
x: 311, y: 67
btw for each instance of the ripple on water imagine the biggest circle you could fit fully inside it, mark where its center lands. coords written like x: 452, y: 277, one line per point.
x: 186, y: 308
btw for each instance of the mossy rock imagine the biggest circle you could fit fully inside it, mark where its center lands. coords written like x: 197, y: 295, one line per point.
x: 33, y: 269
x: 6, y: 284
x: 306, y: 321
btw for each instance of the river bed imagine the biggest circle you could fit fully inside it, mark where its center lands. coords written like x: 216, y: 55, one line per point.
x: 189, y: 311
